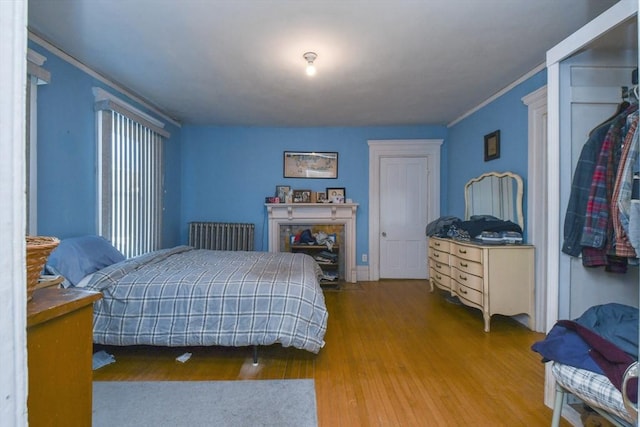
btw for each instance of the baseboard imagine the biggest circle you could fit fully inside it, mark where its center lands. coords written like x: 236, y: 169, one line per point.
x: 362, y: 273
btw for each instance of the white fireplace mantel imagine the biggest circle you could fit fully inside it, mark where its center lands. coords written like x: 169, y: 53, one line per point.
x: 317, y: 213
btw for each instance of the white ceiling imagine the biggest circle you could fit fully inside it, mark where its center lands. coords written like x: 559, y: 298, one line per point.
x: 239, y: 62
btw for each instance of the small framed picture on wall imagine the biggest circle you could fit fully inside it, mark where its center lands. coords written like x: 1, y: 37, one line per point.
x: 492, y: 146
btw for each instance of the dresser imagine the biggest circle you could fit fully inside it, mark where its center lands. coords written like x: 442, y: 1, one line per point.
x: 497, y: 279
x: 59, y: 357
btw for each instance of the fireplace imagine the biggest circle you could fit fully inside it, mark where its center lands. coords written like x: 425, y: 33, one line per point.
x: 339, y: 218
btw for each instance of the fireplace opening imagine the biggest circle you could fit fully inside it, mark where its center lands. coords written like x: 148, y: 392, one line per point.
x: 330, y: 256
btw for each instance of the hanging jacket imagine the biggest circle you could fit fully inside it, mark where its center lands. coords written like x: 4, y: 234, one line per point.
x: 580, y: 187
x: 621, y: 199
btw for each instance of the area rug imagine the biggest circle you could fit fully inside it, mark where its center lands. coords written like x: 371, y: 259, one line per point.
x: 204, y: 403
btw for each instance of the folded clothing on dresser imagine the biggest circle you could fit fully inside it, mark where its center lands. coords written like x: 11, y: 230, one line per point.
x: 455, y: 228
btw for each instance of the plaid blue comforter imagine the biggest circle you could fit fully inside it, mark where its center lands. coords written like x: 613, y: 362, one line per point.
x: 191, y: 297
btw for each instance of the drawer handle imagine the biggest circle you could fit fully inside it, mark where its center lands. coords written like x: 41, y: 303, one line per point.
x: 436, y: 244
x: 462, y: 291
x: 462, y: 251
x: 464, y: 264
x: 438, y: 265
x: 463, y: 278
x: 436, y: 255
x: 438, y: 277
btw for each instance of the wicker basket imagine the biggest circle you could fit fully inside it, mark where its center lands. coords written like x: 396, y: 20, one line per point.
x: 38, y: 250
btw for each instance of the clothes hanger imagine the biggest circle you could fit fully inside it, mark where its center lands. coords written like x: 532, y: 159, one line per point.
x: 621, y: 107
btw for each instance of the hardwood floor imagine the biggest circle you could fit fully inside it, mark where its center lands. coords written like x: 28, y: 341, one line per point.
x: 395, y: 355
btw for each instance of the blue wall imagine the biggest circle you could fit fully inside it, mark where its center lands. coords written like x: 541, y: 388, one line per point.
x: 466, y: 142
x: 228, y: 171
x: 224, y: 173
x: 67, y: 155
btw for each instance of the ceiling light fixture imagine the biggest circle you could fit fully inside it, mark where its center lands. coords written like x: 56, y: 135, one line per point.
x: 310, y: 57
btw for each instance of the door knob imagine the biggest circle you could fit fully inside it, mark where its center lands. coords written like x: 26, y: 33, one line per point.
x: 384, y: 234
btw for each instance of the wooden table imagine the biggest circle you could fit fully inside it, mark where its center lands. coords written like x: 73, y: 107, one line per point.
x: 59, y: 354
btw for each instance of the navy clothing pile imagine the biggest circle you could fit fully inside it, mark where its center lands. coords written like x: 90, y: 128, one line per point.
x: 455, y: 228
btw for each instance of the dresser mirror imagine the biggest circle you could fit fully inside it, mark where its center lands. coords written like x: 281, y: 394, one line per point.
x: 495, y: 193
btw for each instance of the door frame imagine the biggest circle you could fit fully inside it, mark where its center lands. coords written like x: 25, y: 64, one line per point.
x: 378, y: 149
x: 536, y: 103
x: 13, y: 317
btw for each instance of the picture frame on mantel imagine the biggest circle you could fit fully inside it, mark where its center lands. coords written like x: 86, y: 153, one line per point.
x: 336, y: 195
x: 301, y: 196
x: 492, y: 146
x: 282, y: 191
x: 313, y: 164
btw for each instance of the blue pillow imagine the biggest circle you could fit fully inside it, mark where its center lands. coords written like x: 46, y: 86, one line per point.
x: 76, y: 257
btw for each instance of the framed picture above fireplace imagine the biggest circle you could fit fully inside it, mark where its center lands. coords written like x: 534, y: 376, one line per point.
x: 313, y: 164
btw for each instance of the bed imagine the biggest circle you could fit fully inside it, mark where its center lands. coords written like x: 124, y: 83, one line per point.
x: 183, y: 296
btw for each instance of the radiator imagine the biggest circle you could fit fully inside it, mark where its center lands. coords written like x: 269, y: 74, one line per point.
x: 223, y: 236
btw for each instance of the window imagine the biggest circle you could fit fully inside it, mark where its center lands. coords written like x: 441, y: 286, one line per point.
x: 130, y: 175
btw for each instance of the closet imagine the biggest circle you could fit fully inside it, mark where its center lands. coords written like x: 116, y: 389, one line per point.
x: 586, y: 76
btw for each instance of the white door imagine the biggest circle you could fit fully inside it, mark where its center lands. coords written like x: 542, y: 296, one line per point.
x: 403, y: 217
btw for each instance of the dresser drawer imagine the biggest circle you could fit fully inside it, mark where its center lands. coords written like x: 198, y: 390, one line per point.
x: 439, y: 256
x: 467, y: 294
x: 466, y: 279
x: 467, y: 266
x: 440, y: 280
x: 440, y: 267
x: 440, y: 245
x: 468, y: 252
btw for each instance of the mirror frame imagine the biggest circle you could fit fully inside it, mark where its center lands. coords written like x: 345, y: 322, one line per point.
x: 519, y: 193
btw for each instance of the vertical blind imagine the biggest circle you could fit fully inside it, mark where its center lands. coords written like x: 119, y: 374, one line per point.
x: 131, y: 172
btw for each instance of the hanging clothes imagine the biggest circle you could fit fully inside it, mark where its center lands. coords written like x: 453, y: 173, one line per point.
x: 598, y: 237
x: 580, y: 188
x: 622, y: 191
x: 598, y: 219
x: 575, y: 217
x: 634, y: 224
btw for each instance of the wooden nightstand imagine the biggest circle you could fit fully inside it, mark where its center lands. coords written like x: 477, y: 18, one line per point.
x: 60, y: 347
